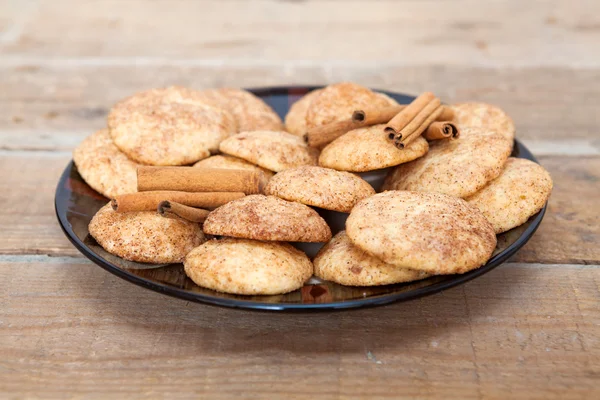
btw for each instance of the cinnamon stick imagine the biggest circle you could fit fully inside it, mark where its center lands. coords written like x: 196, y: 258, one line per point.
x: 171, y: 208
x: 325, y: 134
x: 195, y: 179
x: 148, y: 201
x: 384, y: 115
x: 411, y: 131
x: 416, y: 109
x: 441, y: 130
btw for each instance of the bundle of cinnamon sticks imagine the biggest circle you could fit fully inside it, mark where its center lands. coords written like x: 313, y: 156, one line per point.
x: 424, y: 116
x: 187, y: 192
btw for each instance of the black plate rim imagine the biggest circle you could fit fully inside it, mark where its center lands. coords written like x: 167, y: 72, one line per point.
x: 379, y: 300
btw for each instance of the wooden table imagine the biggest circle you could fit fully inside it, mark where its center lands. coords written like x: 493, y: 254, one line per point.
x: 529, y: 329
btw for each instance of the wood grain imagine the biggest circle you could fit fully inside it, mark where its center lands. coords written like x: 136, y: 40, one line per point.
x: 29, y: 224
x: 75, y: 328
x: 47, y: 108
x: 463, y: 32
x: 68, y: 329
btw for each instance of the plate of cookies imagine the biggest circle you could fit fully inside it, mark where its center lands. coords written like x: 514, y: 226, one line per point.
x: 300, y: 198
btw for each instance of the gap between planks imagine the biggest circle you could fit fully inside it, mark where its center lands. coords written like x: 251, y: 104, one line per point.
x: 8, y: 61
x: 41, y: 258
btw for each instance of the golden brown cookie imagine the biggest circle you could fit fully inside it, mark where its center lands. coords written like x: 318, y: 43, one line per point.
x: 172, y: 126
x: 230, y: 162
x: 295, y: 120
x: 368, y: 149
x: 251, y: 112
x: 484, y: 116
x: 455, y: 167
x: 248, y: 267
x: 267, y: 218
x: 144, y: 236
x: 272, y: 150
x: 519, y: 192
x: 342, y: 262
x: 320, y: 187
x: 429, y: 232
x: 338, y: 101
x: 104, y: 167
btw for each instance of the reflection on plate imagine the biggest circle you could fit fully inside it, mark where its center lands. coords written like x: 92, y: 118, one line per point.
x: 76, y: 203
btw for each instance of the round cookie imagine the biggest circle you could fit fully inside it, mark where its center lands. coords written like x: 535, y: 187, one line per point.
x: 248, y: 267
x: 429, y: 232
x: 338, y: 101
x: 368, y: 149
x: 230, y: 162
x: 295, y: 119
x: 454, y: 167
x: 251, y: 112
x: 267, y: 218
x: 518, y: 193
x: 144, y: 236
x: 386, y: 98
x: 273, y: 150
x: 484, y: 116
x: 342, y: 262
x: 172, y: 126
x: 104, y: 167
x: 320, y: 187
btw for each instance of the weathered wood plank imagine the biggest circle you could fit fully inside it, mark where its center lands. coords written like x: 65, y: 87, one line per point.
x: 464, y: 32
x: 74, y: 328
x: 29, y: 225
x: 54, y: 108
x: 570, y: 231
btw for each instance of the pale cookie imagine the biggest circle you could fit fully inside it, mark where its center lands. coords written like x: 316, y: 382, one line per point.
x: 429, y: 232
x: 267, y: 218
x: 172, y: 126
x: 104, y: 167
x: 385, y: 98
x: 144, y: 236
x: 251, y: 112
x: 295, y: 119
x: 230, y: 162
x: 338, y: 101
x: 320, y: 187
x: 518, y: 193
x: 484, y: 116
x: 455, y: 167
x: 342, y: 262
x: 272, y: 150
x: 248, y: 267
x: 368, y: 149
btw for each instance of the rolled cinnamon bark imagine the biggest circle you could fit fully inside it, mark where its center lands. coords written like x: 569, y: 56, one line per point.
x: 171, y: 208
x: 441, y: 130
x: 395, y: 128
x: 446, y: 115
x: 325, y: 134
x: 384, y: 115
x: 148, y: 201
x: 195, y: 179
x: 411, y: 132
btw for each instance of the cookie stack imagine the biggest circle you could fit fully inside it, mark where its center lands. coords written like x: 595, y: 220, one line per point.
x: 443, y: 201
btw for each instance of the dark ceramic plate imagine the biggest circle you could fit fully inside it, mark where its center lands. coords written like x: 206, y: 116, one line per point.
x: 76, y: 203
